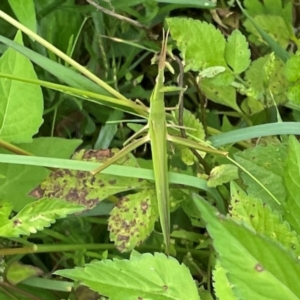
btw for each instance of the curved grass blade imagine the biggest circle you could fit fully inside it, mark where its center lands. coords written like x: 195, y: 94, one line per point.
x: 255, y: 132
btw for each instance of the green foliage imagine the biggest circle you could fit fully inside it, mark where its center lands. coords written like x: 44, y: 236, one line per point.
x: 255, y: 265
x: 258, y: 216
x: 132, y: 219
x: 291, y: 180
x: 143, y: 276
x: 25, y: 12
x: 222, y: 174
x: 237, y: 53
x: 235, y: 218
x: 35, y: 216
x: 19, y: 180
x: 21, y: 105
x: 16, y: 272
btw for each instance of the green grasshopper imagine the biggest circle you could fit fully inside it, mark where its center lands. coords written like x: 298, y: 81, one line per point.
x: 158, y: 136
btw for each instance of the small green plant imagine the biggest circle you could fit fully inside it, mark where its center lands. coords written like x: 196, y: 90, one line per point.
x: 230, y: 222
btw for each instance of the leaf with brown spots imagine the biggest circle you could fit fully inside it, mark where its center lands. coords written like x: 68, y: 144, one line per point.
x: 132, y: 219
x: 83, y: 188
x: 259, y: 217
x: 241, y: 250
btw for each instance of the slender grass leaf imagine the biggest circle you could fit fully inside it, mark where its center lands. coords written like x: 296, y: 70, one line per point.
x: 255, y: 132
x: 124, y: 105
x: 194, y: 3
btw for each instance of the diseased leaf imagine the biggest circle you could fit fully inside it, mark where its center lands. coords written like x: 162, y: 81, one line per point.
x: 21, y: 105
x: 222, y: 174
x: 36, y: 216
x: 20, y: 180
x: 83, y: 187
x: 237, y: 53
x: 259, y: 217
x: 144, y: 276
x: 257, y: 267
x: 132, y: 219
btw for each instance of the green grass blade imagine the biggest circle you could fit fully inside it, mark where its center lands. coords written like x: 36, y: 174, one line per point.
x: 255, y: 132
x: 124, y: 105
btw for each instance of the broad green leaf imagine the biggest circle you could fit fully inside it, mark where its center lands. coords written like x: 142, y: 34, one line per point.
x: 21, y: 105
x: 225, y: 95
x: 258, y: 216
x: 254, y: 78
x: 270, y: 7
x: 36, y: 216
x: 269, y: 16
x: 17, y: 272
x: 257, y: 267
x: 276, y: 47
x: 292, y: 184
x: 5, y: 211
x: 266, y: 164
x: 265, y: 75
x: 292, y: 74
x: 222, y: 174
x: 275, y: 26
x: 25, y: 12
x: 21, y: 179
x: 237, y: 53
x: 132, y: 219
x: 252, y: 106
x: 222, y: 287
x: 205, y: 46
x: 144, y: 276
x: 194, y: 128
x: 83, y: 187
x: 53, y: 27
